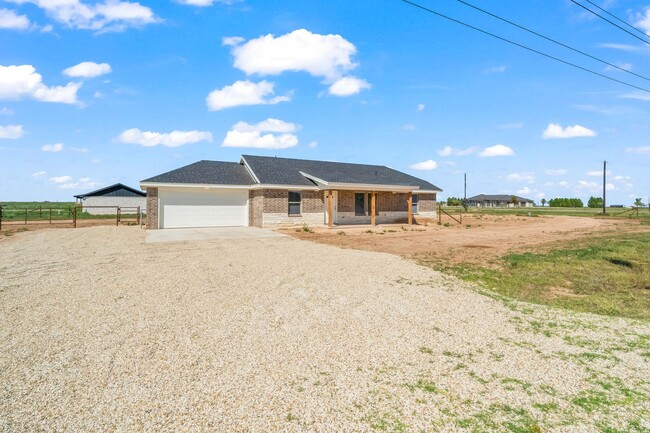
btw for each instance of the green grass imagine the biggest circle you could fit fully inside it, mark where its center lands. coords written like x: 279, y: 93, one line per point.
x: 623, y: 213
x: 607, y: 275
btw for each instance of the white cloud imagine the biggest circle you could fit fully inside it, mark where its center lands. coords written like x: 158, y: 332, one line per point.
x: 110, y: 15
x: 244, y: 93
x: 326, y: 56
x: 205, y: 3
x: 621, y: 65
x: 231, y: 41
x: 95, y: 161
x: 638, y: 150
x: 83, y: 182
x: 496, y: 150
x: 88, y: 70
x: 597, y: 173
x: 58, y: 147
x: 12, y: 21
x: 450, y: 151
x: 4, y: 111
x: 636, y: 95
x: 564, y: 184
x: 17, y: 82
x: 347, y: 86
x: 313, y: 144
x: 643, y: 20
x: 594, y: 186
x: 11, y: 132
x: 61, y: 179
x: 429, y: 164
x: 38, y: 173
x: 269, y: 134
x: 421, y: 107
x: 514, y: 125
x: 554, y: 130
x: 556, y: 172
x: 494, y: 70
x: 521, y: 177
x: 168, y: 139
x: 621, y: 47
x: 524, y: 191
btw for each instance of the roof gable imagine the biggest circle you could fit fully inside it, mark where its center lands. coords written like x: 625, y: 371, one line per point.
x: 206, y: 172
x: 288, y: 171
x: 116, y: 190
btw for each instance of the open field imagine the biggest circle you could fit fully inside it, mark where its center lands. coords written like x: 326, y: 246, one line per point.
x: 597, y: 265
x: 624, y: 213
x: 100, y: 331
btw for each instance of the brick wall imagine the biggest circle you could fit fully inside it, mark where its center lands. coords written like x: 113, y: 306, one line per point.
x: 255, y: 207
x: 427, y: 203
x: 152, y: 208
x: 275, y: 209
x: 276, y: 201
x: 389, y: 202
x: 313, y: 201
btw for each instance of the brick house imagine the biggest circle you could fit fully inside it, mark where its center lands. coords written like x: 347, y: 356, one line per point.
x: 499, y: 200
x: 273, y: 192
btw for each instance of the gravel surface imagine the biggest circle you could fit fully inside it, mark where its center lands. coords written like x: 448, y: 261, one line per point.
x: 102, y: 332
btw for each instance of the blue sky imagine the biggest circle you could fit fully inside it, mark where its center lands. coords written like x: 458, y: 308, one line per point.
x: 93, y: 93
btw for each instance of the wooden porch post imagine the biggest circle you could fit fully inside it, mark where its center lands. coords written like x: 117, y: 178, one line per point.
x: 330, y: 209
x: 373, y: 208
x: 410, y: 210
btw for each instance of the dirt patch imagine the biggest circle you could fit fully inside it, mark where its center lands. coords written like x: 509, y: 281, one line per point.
x: 480, y: 239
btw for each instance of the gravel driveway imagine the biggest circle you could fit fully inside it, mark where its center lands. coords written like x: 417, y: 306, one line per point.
x: 100, y: 331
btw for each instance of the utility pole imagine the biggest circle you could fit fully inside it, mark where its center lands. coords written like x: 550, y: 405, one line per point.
x: 465, y: 193
x: 604, y: 184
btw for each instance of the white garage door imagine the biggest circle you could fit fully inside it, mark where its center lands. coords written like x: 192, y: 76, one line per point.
x: 203, y: 208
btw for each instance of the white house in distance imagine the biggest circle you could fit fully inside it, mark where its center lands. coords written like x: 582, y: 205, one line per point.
x: 499, y: 200
x: 109, y: 197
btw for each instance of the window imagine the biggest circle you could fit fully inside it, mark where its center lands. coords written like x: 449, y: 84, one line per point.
x: 358, y: 204
x: 295, y: 199
x: 414, y: 203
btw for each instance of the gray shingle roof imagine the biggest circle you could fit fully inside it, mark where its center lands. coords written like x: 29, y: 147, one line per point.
x: 497, y: 197
x: 116, y: 190
x: 286, y: 171
x: 207, y: 172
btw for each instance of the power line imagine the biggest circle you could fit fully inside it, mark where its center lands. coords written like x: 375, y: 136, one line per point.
x: 645, y: 41
x: 617, y: 18
x: 551, y: 40
x: 524, y: 46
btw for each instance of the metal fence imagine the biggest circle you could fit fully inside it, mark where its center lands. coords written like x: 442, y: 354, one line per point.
x: 72, y: 215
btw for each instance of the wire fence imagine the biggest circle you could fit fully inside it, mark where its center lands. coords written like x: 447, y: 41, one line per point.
x: 74, y: 216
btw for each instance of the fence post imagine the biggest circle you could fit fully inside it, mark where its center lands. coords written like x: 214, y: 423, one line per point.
x: 50, y: 215
x: 138, y: 215
x: 25, y: 216
x: 74, y: 217
x: 117, y: 219
x: 439, y: 213
x: 0, y: 217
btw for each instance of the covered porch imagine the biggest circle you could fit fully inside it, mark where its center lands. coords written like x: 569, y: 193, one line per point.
x: 363, y: 207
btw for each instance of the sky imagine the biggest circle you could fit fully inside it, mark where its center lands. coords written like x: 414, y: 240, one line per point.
x: 98, y: 92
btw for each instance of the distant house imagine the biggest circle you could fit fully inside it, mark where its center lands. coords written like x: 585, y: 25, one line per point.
x: 270, y: 192
x: 498, y: 200
x: 111, y: 196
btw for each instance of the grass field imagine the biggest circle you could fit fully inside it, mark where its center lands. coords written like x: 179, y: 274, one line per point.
x: 643, y: 213
x: 608, y: 275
